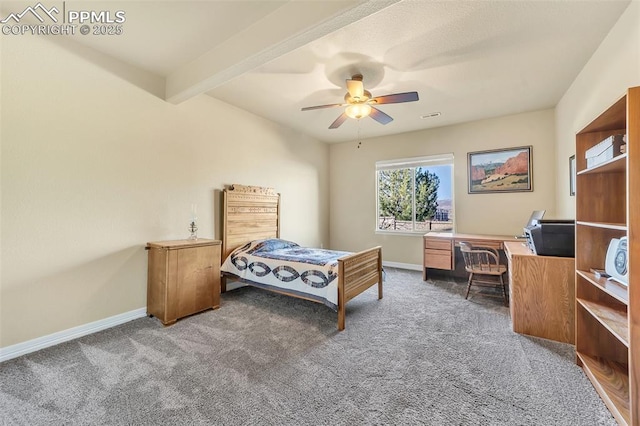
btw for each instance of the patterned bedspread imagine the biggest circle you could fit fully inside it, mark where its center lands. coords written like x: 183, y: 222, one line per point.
x: 285, y: 266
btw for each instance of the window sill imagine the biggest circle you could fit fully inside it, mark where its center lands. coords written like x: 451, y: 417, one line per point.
x: 401, y: 233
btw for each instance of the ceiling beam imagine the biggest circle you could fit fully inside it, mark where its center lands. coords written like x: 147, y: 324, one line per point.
x: 293, y: 25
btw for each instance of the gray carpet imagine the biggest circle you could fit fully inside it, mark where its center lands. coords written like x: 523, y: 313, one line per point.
x: 422, y: 355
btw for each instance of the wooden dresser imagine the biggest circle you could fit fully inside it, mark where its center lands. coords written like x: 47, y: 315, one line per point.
x: 542, y: 292
x: 183, y: 278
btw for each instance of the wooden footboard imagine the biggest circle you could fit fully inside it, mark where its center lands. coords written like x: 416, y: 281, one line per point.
x: 356, y: 273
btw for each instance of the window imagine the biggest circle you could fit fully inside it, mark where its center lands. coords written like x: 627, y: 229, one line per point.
x: 415, y: 194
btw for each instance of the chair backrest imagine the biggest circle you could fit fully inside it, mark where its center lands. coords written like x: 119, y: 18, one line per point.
x: 479, y: 260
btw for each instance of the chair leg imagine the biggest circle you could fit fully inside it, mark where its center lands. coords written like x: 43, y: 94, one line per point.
x: 504, y: 292
x: 469, y: 284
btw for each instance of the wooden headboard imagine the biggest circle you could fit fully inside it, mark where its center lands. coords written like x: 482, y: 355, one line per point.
x: 250, y: 213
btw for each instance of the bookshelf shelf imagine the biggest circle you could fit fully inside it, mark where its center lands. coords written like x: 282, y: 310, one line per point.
x: 612, y: 319
x: 605, y: 225
x: 612, y: 383
x: 613, y: 289
x: 615, y: 165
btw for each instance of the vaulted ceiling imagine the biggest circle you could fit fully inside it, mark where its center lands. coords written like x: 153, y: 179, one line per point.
x: 468, y: 60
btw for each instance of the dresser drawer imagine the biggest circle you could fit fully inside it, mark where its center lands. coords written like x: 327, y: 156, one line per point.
x: 497, y: 245
x: 439, y: 259
x: 437, y: 244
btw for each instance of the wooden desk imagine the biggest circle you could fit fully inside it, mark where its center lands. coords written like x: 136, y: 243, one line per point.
x: 542, y: 293
x: 439, y: 248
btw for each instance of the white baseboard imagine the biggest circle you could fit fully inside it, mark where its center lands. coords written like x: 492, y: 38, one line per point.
x: 399, y: 265
x: 29, y: 346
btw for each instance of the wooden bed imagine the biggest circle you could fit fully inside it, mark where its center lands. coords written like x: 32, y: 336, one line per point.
x: 253, y: 213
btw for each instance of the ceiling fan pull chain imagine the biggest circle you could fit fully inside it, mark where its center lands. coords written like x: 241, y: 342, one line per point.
x: 359, y: 141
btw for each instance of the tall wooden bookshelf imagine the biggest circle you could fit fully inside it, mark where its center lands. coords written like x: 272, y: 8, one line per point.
x: 608, y: 313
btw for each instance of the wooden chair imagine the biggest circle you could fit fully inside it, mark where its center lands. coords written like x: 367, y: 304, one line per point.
x: 484, y: 268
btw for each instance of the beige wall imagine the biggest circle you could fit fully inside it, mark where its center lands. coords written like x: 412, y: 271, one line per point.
x: 352, y: 187
x: 613, y: 68
x: 93, y: 167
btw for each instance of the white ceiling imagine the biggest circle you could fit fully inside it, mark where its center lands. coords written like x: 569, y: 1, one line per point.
x: 468, y: 60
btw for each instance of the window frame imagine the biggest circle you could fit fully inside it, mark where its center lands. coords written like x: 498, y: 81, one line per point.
x: 412, y: 163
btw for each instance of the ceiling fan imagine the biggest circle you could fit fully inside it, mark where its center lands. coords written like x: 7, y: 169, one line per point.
x: 359, y: 103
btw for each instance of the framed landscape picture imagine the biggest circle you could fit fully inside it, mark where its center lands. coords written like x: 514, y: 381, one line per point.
x: 500, y: 170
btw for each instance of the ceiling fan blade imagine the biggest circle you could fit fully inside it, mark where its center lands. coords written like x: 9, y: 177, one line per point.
x: 396, y: 98
x: 321, y: 106
x: 380, y: 116
x: 343, y: 117
x: 355, y: 88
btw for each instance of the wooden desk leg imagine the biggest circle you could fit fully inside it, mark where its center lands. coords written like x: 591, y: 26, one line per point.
x: 424, y: 273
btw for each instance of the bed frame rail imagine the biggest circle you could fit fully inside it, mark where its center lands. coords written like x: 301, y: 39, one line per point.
x: 356, y: 273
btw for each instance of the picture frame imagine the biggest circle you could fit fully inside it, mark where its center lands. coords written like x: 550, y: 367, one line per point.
x: 572, y: 175
x: 500, y: 170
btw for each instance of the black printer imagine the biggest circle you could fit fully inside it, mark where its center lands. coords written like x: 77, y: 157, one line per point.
x: 552, y: 238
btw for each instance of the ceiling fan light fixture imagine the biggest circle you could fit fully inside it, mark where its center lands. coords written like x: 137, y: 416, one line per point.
x: 358, y: 111
x: 358, y: 101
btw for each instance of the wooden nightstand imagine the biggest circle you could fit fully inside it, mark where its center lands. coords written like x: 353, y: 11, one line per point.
x: 183, y: 278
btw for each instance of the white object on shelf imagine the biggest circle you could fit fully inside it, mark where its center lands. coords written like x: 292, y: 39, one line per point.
x: 616, y: 261
x: 605, y: 150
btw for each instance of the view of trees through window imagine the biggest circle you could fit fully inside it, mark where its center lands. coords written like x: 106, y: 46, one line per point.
x: 415, y: 199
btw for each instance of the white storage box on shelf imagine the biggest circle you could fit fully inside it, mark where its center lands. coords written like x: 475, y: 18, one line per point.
x: 605, y: 150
